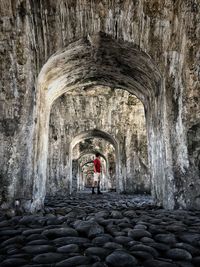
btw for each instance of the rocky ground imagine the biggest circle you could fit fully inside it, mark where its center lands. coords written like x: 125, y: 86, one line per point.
x: 101, y: 230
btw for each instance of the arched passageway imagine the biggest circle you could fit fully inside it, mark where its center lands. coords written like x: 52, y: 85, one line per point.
x: 85, y: 167
x: 32, y: 32
x: 107, y: 137
x: 86, y: 158
x: 93, y: 152
x: 86, y: 173
x: 101, y: 60
x: 116, y: 112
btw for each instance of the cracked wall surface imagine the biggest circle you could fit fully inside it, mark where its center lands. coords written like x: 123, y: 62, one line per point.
x: 114, y: 111
x: 31, y: 31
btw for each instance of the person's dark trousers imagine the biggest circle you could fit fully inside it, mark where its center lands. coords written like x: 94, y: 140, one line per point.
x: 93, y: 190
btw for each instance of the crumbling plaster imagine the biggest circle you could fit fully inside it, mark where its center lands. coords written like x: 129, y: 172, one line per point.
x: 114, y: 111
x: 31, y: 31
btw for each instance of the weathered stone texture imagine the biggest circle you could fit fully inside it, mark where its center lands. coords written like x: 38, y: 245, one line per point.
x: 113, y: 111
x: 169, y: 31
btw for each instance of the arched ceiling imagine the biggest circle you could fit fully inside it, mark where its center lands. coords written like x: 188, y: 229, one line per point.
x: 91, y: 152
x: 100, y: 60
x: 94, y: 133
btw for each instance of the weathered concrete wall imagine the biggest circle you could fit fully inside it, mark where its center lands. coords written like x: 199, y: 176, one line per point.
x: 31, y: 31
x: 113, y: 111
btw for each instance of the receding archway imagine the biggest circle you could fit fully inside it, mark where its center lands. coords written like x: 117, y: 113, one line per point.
x: 86, y: 171
x: 101, y: 60
x: 88, y: 155
x: 93, y: 152
x: 106, y: 136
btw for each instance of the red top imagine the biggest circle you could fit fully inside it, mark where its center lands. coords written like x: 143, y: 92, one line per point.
x: 97, y: 165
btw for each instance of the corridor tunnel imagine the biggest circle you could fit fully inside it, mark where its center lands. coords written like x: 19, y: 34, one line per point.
x: 123, y: 67
x: 120, y: 78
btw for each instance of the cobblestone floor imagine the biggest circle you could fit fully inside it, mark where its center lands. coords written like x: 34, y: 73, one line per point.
x: 101, y: 230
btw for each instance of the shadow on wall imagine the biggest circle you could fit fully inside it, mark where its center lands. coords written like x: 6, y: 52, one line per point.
x: 138, y: 183
x: 193, y: 137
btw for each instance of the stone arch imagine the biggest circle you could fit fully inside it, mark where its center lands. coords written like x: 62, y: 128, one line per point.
x: 92, y: 134
x: 104, y: 177
x: 98, y: 134
x: 102, y: 60
x: 93, y: 152
x: 89, y: 172
x: 90, y: 161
